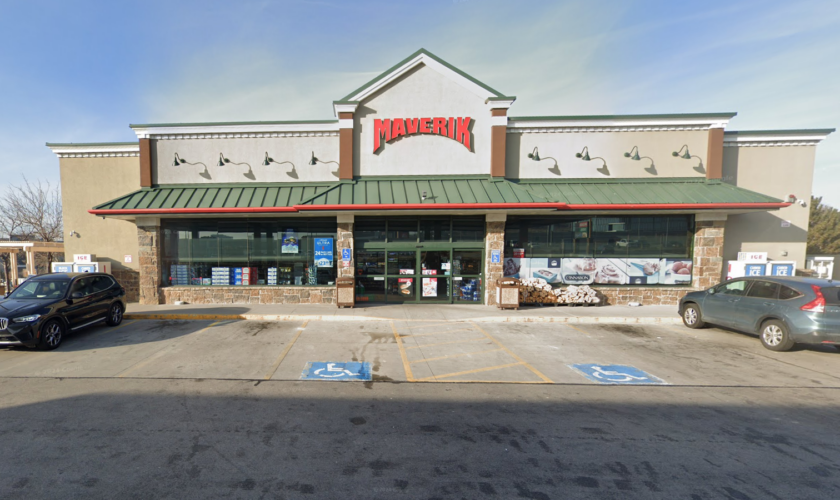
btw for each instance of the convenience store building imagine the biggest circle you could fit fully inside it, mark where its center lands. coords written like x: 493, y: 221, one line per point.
x: 426, y: 190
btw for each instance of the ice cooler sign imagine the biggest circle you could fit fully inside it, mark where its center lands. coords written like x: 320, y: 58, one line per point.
x: 324, y: 252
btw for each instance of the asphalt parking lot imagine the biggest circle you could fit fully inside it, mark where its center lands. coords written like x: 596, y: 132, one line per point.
x: 424, y: 351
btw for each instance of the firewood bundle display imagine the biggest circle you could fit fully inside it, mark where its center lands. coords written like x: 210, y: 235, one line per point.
x: 538, y: 291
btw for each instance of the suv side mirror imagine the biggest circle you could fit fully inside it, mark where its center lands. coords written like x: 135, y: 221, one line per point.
x: 710, y: 291
x: 77, y: 295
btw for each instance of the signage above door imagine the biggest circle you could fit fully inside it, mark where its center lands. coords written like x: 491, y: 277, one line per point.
x: 394, y: 128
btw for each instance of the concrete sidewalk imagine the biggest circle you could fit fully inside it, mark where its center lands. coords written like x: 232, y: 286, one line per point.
x: 413, y: 312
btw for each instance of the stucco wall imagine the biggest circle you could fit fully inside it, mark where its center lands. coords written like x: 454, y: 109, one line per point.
x: 775, y: 171
x: 562, y: 146
x: 85, y: 183
x: 422, y: 93
x: 297, y: 150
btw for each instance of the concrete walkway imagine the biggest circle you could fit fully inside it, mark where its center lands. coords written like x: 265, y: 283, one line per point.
x: 413, y: 312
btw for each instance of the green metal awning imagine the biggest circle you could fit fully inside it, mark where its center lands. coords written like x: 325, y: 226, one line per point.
x: 437, y: 193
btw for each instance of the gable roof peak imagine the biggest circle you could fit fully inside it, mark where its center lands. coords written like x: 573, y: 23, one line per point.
x: 422, y: 57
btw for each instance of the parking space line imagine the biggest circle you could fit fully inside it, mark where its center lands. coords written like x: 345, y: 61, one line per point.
x: 573, y: 327
x: 406, y: 365
x: 428, y: 326
x: 454, y: 356
x: 412, y: 335
x: 525, y: 363
x: 156, y: 355
x: 445, y: 343
x: 466, y: 372
x: 283, y: 354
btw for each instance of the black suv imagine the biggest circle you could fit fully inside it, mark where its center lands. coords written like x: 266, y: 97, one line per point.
x: 43, y: 309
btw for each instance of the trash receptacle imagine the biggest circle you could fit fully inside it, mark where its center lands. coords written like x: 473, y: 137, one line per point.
x: 507, y: 293
x: 345, y: 292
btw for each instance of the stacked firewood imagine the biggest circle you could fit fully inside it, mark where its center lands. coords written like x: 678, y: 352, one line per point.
x: 582, y: 294
x: 538, y: 291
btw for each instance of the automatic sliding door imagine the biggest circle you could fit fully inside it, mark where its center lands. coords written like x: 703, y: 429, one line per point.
x: 435, y: 275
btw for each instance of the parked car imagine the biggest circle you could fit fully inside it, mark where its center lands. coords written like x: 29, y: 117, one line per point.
x: 781, y: 311
x: 44, y: 309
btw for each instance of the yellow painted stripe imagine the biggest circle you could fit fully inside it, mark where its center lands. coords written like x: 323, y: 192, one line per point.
x: 283, y: 354
x: 441, y: 332
x: 406, y: 365
x: 432, y: 325
x: 467, y: 372
x: 454, y: 356
x: 527, y: 365
x: 446, y: 343
x: 156, y: 355
x: 459, y: 381
x: 573, y: 327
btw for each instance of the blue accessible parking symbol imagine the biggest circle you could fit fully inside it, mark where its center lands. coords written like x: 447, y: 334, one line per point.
x: 354, y: 370
x: 616, y: 374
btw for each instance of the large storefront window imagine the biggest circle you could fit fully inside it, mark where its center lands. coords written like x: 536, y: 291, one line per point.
x: 631, y: 250
x: 249, y: 252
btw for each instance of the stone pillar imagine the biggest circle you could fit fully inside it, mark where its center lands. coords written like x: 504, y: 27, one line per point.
x: 708, y: 250
x: 494, y: 239
x: 345, y: 240
x: 149, y: 243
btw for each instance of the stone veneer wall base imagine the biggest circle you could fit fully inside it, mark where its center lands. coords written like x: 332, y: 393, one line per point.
x: 249, y: 295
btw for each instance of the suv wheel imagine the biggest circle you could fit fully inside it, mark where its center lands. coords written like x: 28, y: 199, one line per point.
x: 52, y: 333
x: 115, y: 314
x: 775, y: 336
x: 691, y: 316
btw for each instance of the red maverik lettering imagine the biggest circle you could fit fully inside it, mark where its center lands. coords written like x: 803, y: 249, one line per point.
x: 393, y: 128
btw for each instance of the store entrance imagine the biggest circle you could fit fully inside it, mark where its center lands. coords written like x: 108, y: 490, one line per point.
x: 419, y: 260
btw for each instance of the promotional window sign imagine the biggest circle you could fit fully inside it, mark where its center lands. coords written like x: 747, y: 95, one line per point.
x: 290, y: 242
x: 518, y: 253
x: 644, y: 271
x: 515, y: 268
x: 539, y: 268
x: 405, y: 285
x: 677, y: 272
x: 578, y: 271
x: 429, y: 287
x: 323, y: 252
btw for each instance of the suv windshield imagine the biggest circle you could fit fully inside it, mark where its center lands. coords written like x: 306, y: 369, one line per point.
x: 40, y: 289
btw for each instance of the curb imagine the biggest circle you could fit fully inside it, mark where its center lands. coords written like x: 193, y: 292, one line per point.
x: 487, y: 319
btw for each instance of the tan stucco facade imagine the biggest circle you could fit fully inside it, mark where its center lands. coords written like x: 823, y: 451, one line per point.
x: 85, y: 183
x: 777, y: 171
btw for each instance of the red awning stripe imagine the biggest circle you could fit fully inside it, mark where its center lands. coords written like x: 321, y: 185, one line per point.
x: 443, y: 206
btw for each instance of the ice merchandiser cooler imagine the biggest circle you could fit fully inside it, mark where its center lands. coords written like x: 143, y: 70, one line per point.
x: 61, y: 267
x: 93, y: 267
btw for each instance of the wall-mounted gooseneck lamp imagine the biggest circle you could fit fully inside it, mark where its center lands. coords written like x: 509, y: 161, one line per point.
x: 535, y: 155
x: 315, y: 160
x: 180, y: 161
x: 584, y: 155
x: 224, y: 161
x: 685, y: 155
x: 269, y: 160
x: 634, y: 155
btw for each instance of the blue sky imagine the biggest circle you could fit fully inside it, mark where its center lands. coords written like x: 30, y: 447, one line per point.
x: 82, y: 71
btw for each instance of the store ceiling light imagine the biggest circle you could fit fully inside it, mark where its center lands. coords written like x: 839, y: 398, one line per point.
x: 684, y: 155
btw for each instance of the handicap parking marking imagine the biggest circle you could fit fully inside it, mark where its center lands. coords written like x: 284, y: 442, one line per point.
x: 354, y: 370
x: 616, y: 374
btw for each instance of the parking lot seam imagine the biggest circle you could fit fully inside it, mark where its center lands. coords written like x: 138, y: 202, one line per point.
x: 441, y: 332
x: 467, y: 372
x: 406, y: 365
x: 527, y: 365
x: 286, y: 350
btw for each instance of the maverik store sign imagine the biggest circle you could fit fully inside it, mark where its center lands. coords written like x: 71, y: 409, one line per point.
x: 394, y: 128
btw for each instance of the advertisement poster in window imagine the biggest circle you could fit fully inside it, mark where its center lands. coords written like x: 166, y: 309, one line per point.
x: 405, y: 285
x: 518, y: 253
x: 429, y: 287
x: 578, y: 271
x: 290, y: 244
x: 644, y: 271
x: 515, y: 268
x: 540, y: 268
x: 611, y: 272
x: 323, y: 252
x: 677, y: 272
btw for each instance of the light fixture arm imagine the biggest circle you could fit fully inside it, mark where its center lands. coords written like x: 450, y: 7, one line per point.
x: 178, y: 161
x: 315, y: 160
